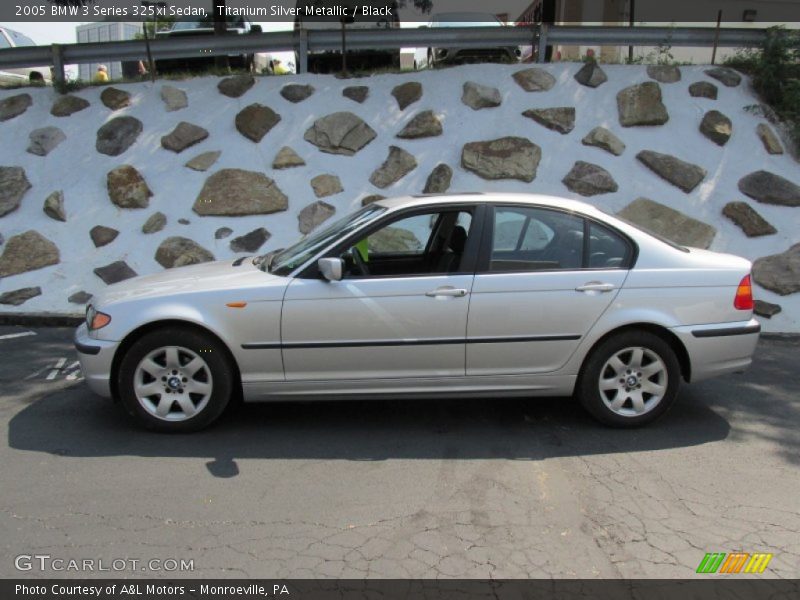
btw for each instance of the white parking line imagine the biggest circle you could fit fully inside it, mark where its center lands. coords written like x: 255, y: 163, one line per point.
x: 54, y: 373
x: 17, y: 335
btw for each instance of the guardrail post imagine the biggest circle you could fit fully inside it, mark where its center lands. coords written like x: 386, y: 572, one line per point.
x: 59, y: 79
x: 302, y: 52
x: 542, y: 51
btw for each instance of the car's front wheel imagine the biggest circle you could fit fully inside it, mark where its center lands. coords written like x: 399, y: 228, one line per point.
x: 175, y: 380
x: 630, y: 379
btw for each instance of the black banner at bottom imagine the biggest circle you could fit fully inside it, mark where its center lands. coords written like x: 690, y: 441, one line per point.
x: 396, y: 589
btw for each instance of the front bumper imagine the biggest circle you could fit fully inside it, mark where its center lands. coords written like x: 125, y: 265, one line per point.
x: 95, y: 357
x: 719, y: 348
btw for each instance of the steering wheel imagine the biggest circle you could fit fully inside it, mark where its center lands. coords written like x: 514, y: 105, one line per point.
x: 358, y: 261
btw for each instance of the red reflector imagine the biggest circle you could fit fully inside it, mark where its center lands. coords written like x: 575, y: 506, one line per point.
x: 744, y: 295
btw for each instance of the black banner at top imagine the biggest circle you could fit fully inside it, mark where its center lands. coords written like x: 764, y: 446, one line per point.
x: 396, y: 12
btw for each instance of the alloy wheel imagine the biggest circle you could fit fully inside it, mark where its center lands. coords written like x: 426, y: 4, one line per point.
x: 633, y: 381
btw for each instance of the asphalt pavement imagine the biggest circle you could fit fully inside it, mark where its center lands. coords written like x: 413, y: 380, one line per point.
x: 448, y: 488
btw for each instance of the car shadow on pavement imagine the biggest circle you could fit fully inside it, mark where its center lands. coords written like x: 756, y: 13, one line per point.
x: 73, y: 422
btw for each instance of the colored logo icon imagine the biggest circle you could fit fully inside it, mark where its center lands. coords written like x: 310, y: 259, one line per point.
x: 735, y: 562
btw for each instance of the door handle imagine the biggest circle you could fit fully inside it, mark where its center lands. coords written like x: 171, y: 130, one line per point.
x: 595, y: 286
x: 447, y: 291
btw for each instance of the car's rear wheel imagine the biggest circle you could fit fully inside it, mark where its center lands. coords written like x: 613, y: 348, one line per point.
x: 630, y: 379
x: 175, y: 380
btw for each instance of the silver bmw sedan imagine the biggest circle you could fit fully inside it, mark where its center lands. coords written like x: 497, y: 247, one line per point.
x: 417, y: 297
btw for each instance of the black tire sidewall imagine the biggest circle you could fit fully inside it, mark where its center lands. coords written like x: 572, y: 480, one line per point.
x: 213, y: 354
x: 590, y: 396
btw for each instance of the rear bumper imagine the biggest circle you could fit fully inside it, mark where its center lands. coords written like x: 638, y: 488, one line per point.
x: 95, y: 357
x: 719, y: 348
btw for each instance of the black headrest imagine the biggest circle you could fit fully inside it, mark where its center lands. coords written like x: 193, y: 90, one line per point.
x: 458, y: 239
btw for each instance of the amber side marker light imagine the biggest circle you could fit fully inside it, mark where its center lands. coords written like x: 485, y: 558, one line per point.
x: 744, y: 295
x: 236, y: 304
x: 100, y: 320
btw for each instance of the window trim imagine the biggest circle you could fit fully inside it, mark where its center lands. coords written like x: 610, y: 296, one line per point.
x: 487, y: 239
x: 468, y: 260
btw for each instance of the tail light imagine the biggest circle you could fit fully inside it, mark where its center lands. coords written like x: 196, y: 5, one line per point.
x: 744, y: 295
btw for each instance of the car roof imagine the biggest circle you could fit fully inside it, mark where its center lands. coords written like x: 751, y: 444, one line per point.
x: 488, y: 198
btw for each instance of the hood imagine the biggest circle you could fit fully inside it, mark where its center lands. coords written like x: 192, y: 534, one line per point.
x: 211, y: 276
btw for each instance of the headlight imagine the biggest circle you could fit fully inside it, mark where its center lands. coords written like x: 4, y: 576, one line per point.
x: 96, y: 319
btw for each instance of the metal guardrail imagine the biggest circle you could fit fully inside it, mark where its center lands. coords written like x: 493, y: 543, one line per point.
x: 304, y: 41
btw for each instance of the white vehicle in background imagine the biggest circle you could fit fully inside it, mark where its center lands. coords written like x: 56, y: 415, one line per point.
x: 326, y: 61
x: 433, y: 56
x: 22, y: 76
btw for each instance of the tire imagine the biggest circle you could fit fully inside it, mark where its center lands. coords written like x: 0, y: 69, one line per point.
x: 645, y: 382
x: 187, y: 365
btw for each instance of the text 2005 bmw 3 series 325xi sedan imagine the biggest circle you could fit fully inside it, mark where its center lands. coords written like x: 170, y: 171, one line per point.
x: 464, y: 295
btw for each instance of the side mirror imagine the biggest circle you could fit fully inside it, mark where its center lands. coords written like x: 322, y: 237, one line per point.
x: 331, y: 268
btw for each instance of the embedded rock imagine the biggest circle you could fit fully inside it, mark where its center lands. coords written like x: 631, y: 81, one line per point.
x: 294, y: 92
x: 179, y: 251
x: 326, y: 185
x: 681, y: 174
x: 503, y: 158
x: 204, y: 161
x: 356, y: 93
x: 102, y: 236
x: 534, y: 80
x: 27, y: 252
x: 115, y: 99
x: 13, y: 185
x: 771, y: 142
x: 313, y: 215
x: 716, y: 127
x: 250, y: 242
x: 664, y: 73
x: 222, y: 233
x: 779, y: 273
x: 669, y: 223
x: 235, y: 192
x: 641, y: 105
x: 478, y: 96
x: 54, y: 206
x: 703, y: 89
x: 340, y: 133
x: 371, y: 198
x: 255, y: 121
x: 20, y: 296
x: 287, y: 159
x: 44, y: 140
x: 395, y: 167
x: 425, y: 124
x: 769, y: 188
x: 118, y: 135
x: 602, y: 138
x: 766, y: 309
x: 561, y: 119
x: 438, y: 181
x: 750, y: 222
x: 66, y: 105
x: 174, y: 99
x: 155, y: 222
x: 81, y: 297
x: 587, y: 179
x: 115, y: 272
x: 127, y: 188
x: 14, y: 106
x: 184, y: 135
x: 728, y: 77
x: 236, y: 86
x: 184, y: 221
x: 591, y: 75
x: 407, y: 93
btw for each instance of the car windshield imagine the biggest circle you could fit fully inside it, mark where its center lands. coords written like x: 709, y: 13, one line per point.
x: 231, y: 22
x: 288, y: 260
x: 651, y: 233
